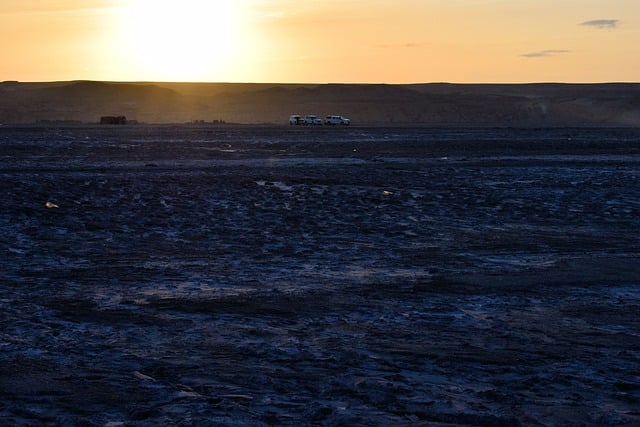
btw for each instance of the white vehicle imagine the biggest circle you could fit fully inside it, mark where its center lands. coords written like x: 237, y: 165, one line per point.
x: 295, y: 120
x: 336, y: 120
x: 312, y: 120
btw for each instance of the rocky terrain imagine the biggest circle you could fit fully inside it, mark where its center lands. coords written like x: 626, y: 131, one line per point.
x: 439, y: 104
x: 244, y: 275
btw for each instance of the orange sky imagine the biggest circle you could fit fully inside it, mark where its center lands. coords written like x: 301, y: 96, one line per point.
x: 321, y: 40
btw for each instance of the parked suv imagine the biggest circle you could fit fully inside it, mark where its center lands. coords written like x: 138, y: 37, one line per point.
x: 295, y: 120
x: 312, y: 120
x: 336, y: 120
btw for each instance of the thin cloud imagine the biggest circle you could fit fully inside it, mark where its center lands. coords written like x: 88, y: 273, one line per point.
x: 414, y: 45
x: 602, y: 24
x: 409, y: 45
x: 545, y: 53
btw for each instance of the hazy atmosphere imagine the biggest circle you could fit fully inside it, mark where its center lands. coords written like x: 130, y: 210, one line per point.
x: 321, y: 41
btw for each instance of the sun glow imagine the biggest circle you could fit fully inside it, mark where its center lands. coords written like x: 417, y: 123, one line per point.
x: 187, y: 40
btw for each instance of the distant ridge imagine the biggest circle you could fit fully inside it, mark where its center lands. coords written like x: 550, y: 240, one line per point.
x: 430, y: 104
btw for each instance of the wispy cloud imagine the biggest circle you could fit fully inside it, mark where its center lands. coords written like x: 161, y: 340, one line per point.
x: 408, y: 45
x: 602, y: 24
x: 414, y: 45
x: 544, y: 53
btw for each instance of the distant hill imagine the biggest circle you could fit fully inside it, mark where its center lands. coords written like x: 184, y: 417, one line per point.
x: 433, y: 104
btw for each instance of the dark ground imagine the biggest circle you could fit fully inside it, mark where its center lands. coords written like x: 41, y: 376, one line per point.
x: 360, y: 276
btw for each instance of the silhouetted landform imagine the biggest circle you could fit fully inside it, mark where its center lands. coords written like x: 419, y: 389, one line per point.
x: 434, y: 104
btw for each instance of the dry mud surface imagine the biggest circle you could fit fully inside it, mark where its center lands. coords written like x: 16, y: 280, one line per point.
x: 283, y: 276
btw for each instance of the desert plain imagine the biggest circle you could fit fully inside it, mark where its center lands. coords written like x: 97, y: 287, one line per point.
x: 276, y: 275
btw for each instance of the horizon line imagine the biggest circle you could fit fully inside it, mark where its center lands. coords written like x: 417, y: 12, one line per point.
x: 318, y: 83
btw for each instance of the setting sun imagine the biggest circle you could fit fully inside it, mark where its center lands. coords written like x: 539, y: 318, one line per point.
x: 183, y: 41
x: 347, y: 41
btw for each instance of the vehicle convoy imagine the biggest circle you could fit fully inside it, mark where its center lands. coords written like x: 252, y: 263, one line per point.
x: 313, y: 120
x: 336, y: 120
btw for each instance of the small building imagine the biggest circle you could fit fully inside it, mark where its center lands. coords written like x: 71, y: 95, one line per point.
x: 113, y: 120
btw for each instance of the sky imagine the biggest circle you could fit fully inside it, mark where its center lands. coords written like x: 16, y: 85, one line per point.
x: 321, y: 41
